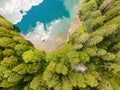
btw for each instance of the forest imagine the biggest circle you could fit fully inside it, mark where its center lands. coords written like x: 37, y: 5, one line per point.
x: 90, y: 60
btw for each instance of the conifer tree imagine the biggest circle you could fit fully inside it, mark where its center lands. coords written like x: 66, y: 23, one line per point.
x: 90, y: 60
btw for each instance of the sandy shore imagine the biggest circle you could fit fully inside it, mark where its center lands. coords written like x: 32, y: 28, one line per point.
x: 55, y: 42
x: 73, y: 27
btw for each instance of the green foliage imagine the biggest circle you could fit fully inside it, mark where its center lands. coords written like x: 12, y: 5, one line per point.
x: 111, y: 13
x: 37, y: 83
x: 66, y: 84
x: 76, y: 35
x: 52, y: 57
x: 97, y: 22
x: 83, y: 38
x: 89, y: 6
x: 109, y: 29
x: 33, y: 56
x: 77, y: 79
x: 9, y: 61
x: 114, y: 84
x: 105, y: 5
x: 94, y: 40
x: 5, y: 41
x: 73, y: 57
x: 84, y: 57
x: 105, y: 85
x: 27, y: 68
x: 117, y: 46
x: 77, y: 47
x: 101, y: 52
x: 1, y: 55
x: 49, y: 75
x: 91, y: 80
x: 61, y: 69
x: 8, y: 52
x: 115, y: 68
x: 5, y: 23
x: 89, y: 50
x: 108, y: 57
x: 90, y: 60
x: 96, y: 14
x: 21, y: 48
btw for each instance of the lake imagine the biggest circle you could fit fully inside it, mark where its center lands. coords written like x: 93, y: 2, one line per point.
x: 49, y: 19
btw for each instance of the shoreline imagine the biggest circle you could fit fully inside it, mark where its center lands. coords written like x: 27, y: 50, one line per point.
x: 56, y: 42
x: 76, y: 23
x: 73, y: 27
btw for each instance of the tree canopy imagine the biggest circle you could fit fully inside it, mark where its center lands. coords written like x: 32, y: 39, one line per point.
x: 90, y: 60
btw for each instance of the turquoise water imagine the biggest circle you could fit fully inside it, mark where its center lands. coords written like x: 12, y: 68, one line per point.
x: 48, y: 19
x: 45, y: 13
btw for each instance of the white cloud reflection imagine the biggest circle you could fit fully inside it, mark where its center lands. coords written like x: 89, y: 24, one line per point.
x: 14, y: 10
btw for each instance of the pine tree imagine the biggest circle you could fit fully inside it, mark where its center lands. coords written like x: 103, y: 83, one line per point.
x: 90, y: 60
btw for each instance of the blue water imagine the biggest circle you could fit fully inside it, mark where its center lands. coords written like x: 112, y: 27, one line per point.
x: 46, y: 12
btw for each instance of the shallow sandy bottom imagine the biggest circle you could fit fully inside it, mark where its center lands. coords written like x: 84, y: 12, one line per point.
x: 55, y: 42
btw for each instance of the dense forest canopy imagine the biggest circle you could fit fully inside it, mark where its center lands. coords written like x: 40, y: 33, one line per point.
x: 89, y: 61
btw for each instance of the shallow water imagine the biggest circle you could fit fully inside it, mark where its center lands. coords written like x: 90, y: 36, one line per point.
x: 48, y: 11
x: 48, y: 22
